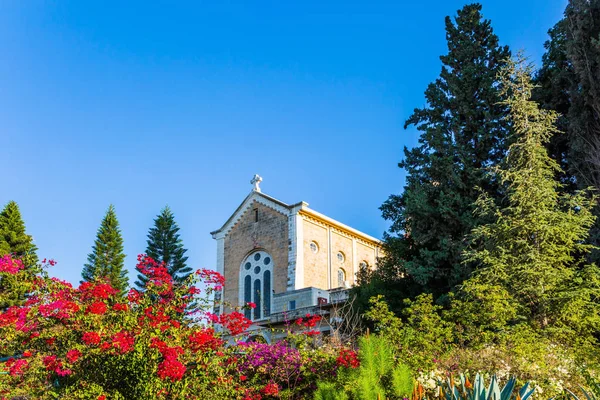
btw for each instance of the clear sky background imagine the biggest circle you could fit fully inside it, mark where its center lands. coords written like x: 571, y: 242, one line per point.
x: 148, y: 103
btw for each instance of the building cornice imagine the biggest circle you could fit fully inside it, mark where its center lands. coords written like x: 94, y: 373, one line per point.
x: 338, y: 227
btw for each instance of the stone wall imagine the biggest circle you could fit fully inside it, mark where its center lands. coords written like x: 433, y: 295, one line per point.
x: 315, y: 264
x: 269, y: 234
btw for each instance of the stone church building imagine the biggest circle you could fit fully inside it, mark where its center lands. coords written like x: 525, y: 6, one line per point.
x: 287, y: 258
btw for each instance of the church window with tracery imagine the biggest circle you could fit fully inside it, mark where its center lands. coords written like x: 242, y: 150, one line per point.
x: 256, y: 275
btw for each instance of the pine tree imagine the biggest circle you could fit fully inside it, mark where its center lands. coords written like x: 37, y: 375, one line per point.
x: 165, y: 245
x: 13, y: 237
x: 107, y: 259
x: 462, y: 133
x: 14, y: 240
x: 534, y: 249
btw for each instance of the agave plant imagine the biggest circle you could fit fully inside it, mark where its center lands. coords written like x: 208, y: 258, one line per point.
x: 589, y: 395
x: 465, y: 390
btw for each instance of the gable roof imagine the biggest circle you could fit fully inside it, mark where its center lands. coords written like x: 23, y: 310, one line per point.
x: 254, y: 196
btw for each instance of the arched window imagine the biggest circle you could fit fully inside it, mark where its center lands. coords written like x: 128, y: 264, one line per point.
x: 256, y: 275
x: 341, y: 278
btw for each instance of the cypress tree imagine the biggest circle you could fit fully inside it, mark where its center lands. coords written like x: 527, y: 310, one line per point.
x: 462, y: 133
x: 13, y: 237
x: 534, y: 249
x: 165, y: 245
x: 107, y: 259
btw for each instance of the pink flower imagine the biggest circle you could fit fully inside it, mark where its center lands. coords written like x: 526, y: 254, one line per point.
x: 10, y: 265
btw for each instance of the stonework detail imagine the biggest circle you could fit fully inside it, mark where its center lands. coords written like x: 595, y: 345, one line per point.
x: 303, y: 245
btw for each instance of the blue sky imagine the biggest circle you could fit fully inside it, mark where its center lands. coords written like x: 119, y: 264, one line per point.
x: 143, y: 104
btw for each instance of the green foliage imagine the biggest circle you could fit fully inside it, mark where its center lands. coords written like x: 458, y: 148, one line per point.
x: 568, y: 84
x: 329, y: 391
x: 165, y: 245
x: 421, y: 337
x: 465, y: 390
x: 481, y: 312
x: 107, y: 259
x: 13, y: 237
x: 589, y: 394
x: 534, y: 249
x: 14, y: 240
x: 380, y: 375
x: 462, y: 132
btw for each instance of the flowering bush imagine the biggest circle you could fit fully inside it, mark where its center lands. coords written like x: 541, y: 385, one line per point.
x: 90, y: 342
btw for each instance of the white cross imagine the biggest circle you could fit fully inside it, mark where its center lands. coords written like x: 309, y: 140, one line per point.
x: 256, y: 180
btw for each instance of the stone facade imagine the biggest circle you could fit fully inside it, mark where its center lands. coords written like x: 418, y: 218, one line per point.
x: 303, y: 246
x: 268, y: 232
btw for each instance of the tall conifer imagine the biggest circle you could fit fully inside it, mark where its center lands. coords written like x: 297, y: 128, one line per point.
x: 568, y: 83
x: 462, y: 133
x: 14, y: 240
x: 107, y: 259
x: 13, y: 237
x: 165, y: 245
x: 534, y: 248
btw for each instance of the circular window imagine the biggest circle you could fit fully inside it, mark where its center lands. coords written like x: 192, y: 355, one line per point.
x: 314, y: 247
x: 248, y: 266
x: 257, y: 270
x: 257, y: 257
x: 267, y: 260
x: 340, y: 257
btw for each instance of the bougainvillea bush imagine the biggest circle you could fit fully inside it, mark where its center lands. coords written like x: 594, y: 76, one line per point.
x: 88, y: 342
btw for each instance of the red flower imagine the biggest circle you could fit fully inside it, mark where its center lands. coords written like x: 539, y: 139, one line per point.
x: 101, y: 397
x: 16, y: 366
x: 204, y: 340
x: 73, y: 355
x: 134, y: 296
x: 243, y: 378
x: 212, y: 278
x: 348, y: 359
x: 270, y: 390
x: 123, y: 341
x: 26, y: 353
x: 251, y: 304
x: 120, y: 307
x: 91, y: 338
x: 234, y: 321
x: 97, y: 308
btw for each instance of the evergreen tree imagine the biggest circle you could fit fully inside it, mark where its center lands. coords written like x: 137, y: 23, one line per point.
x: 462, y: 133
x: 107, y: 259
x: 14, y: 240
x: 553, y: 81
x: 534, y: 249
x: 583, y: 50
x: 13, y: 237
x: 165, y: 245
x: 568, y: 83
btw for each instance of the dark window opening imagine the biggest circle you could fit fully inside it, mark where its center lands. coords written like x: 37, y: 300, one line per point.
x: 267, y: 292
x: 247, y: 294
x: 257, y: 299
x: 256, y: 215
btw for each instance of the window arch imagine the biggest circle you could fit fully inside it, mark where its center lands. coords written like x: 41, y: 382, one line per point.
x: 256, y: 283
x: 341, y: 277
